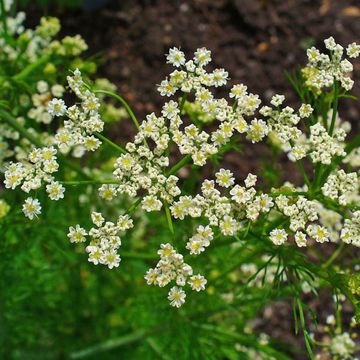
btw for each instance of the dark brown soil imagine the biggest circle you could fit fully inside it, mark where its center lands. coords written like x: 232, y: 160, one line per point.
x: 256, y: 40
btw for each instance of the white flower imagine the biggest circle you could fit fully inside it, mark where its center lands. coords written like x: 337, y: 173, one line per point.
x: 319, y: 233
x: 57, y: 90
x: 278, y: 236
x: 330, y: 43
x: 197, y: 282
x: 57, y: 107
x: 176, y: 296
x: 353, y: 50
x: 175, y: 57
x: 240, y: 194
x: 277, y: 100
x: 250, y: 180
x: 42, y: 86
x: 111, y: 259
x: 225, y: 178
x: 166, y: 88
x: 97, y: 218
x: 77, y: 234
x: 257, y: 130
x: 228, y: 226
x: 220, y: 77
x: 202, y: 56
x: 31, y: 208
x: 151, y: 203
x: 55, y: 190
x: 238, y: 91
x: 305, y: 110
x: 342, y: 345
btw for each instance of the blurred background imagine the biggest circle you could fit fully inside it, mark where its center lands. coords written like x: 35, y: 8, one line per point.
x: 255, y: 40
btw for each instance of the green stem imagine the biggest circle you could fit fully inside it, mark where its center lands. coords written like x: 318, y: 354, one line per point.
x: 302, y: 169
x: 354, y: 143
x: 179, y: 165
x: 133, y: 206
x: 11, y: 121
x: 182, y: 102
x: 109, y: 142
x: 169, y: 219
x: 110, y: 344
x: 3, y: 19
x: 30, y: 68
x: 123, y: 102
x: 317, y: 176
x: 303, y: 172
x: 335, y: 106
x: 335, y: 254
x: 246, y: 340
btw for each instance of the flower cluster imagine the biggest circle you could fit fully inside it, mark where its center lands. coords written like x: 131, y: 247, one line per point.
x: 41, y: 99
x: 338, y: 343
x: 350, y: 233
x: 193, y: 77
x: 323, y: 69
x: 324, y: 146
x: 342, y: 187
x: 222, y: 210
x: 171, y: 267
x: 41, y: 164
x: 221, y: 205
x: 283, y: 121
x: 300, y: 212
x: 105, y: 241
x: 83, y: 120
x: 342, y: 345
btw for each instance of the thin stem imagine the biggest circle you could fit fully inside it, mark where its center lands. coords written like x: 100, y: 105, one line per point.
x: 123, y: 102
x: 110, y: 344
x: 4, y: 115
x: 169, y: 219
x: 335, y: 106
x: 317, y: 176
x: 109, y: 142
x: 335, y: 254
x: 182, y: 102
x: 303, y: 172
x: 302, y: 169
x: 11, y: 121
x: 133, y: 206
x: 31, y: 68
x: 3, y: 19
x: 354, y: 143
x: 179, y: 165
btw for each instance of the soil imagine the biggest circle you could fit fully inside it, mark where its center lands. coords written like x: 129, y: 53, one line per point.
x: 254, y: 40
